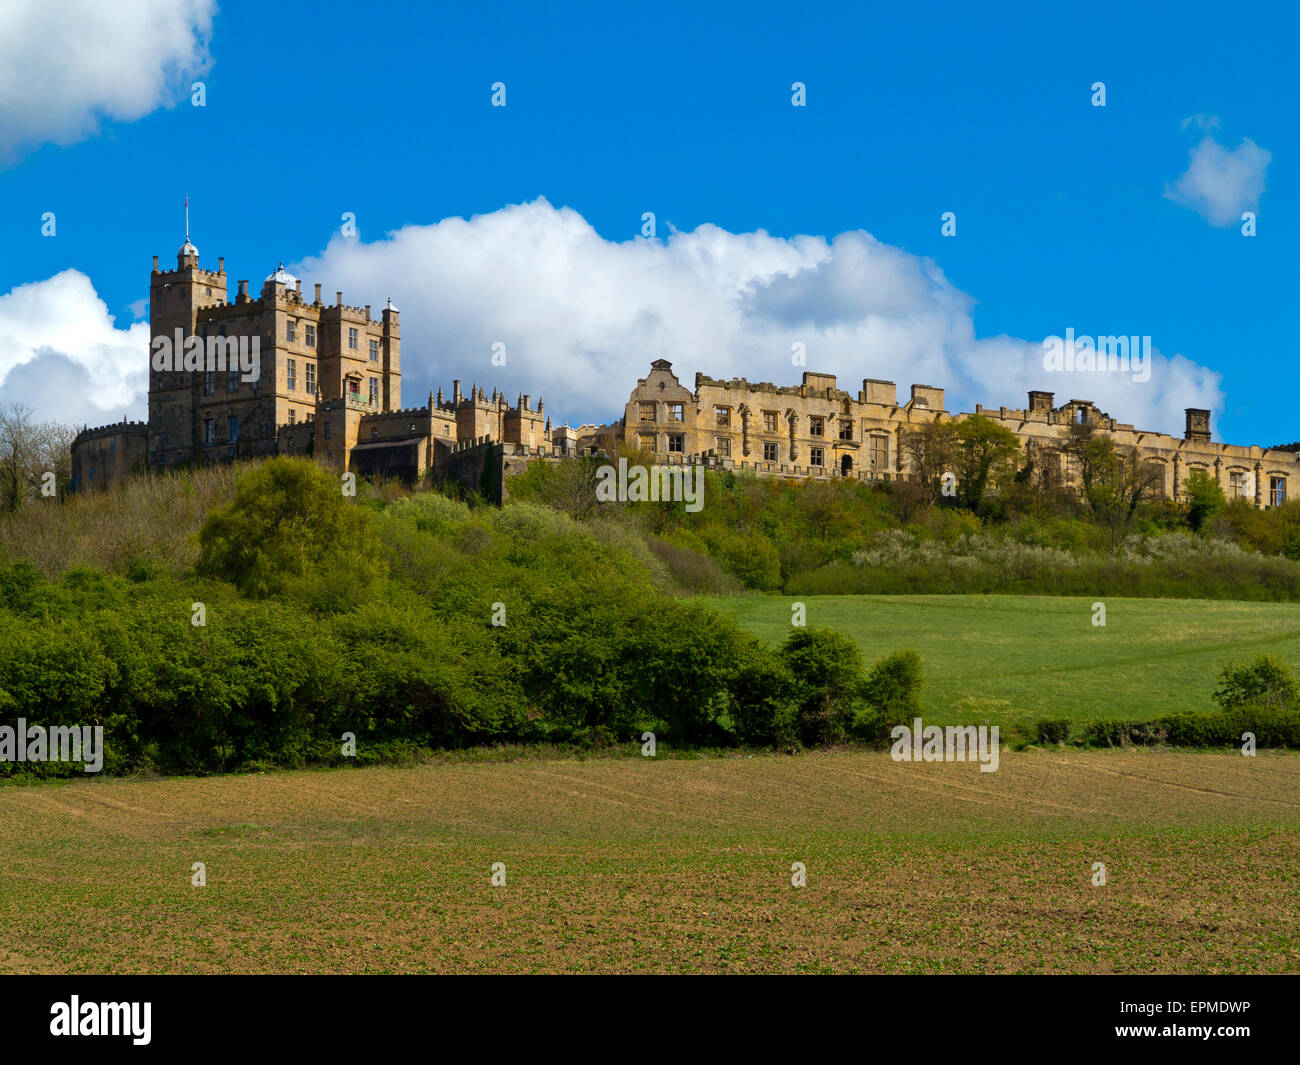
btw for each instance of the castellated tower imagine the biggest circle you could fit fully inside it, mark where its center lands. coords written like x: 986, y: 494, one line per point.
x: 277, y: 372
x: 308, y: 360
x: 175, y: 299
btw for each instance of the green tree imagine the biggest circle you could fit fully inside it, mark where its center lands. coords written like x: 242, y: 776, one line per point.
x: 984, y: 458
x: 1204, y: 497
x: 826, y: 667
x: 892, y: 691
x: 1265, y: 681
x: 931, y: 451
x: 289, y: 521
x: 1114, y: 481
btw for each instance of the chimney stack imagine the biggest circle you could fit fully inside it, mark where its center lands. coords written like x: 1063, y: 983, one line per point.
x: 318, y: 294
x: 155, y: 264
x: 221, y: 264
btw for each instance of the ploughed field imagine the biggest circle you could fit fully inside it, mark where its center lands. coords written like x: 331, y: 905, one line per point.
x: 668, y: 865
x: 1015, y: 659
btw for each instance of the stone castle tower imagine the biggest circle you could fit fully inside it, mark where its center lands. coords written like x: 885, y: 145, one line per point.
x: 319, y: 364
x: 315, y: 379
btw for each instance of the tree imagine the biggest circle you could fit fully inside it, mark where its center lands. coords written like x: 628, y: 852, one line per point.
x: 826, y: 668
x: 289, y: 520
x: 1113, y: 481
x: 1089, y: 453
x: 984, y: 458
x: 1204, y: 497
x: 930, y: 451
x: 28, y: 450
x: 1264, y: 681
x: 892, y: 691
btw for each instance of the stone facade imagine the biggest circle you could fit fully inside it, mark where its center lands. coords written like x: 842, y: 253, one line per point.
x: 329, y: 385
x: 815, y: 429
x: 108, y: 455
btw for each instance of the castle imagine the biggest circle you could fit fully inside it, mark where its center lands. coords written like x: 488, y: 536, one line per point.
x: 816, y: 429
x: 330, y: 386
x: 328, y: 383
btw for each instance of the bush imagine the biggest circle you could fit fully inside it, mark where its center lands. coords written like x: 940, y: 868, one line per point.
x: 1111, y: 732
x: 1264, y: 682
x: 1272, y: 728
x: 762, y: 710
x: 288, y: 521
x: 891, y: 693
x: 826, y: 668
x: 1052, y: 731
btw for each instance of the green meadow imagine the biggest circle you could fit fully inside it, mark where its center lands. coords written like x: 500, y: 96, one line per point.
x: 1009, y: 659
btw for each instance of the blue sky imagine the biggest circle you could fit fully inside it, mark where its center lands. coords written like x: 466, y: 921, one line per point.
x: 384, y: 110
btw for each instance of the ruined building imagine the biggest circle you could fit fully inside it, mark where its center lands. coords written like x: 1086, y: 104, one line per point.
x: 330, y: 386
x: 816, y: 429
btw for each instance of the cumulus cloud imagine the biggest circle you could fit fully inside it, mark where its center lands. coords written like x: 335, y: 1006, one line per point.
x: 66, y: 65
x: 582, y: 317
x: 62, y: 355
x: 1220, y: 184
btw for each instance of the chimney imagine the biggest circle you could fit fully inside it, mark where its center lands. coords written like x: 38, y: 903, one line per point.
x: 367, y: 312
x: 243, y: 292
x: 455, y: 391
x: 525, y: 406
x: 318, y: 294
x: 338, y: 297
x: 221, y: 264
x: 155, y: 264
x: 1198, y: 424
x: 297, y: 287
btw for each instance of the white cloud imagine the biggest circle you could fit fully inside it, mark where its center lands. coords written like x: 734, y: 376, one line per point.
x: 61, y: 354
x: 1220, y: 184
x: 582, y: 317
x: 65, y: 65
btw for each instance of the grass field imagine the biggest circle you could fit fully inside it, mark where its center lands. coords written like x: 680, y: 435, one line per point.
x: 1014, y: 659
x: 666, y: 866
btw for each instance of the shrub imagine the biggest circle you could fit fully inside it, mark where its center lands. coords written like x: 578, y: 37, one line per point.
x: 289, y: 520
x: 1052, y: 731
x: 693, y: 571
x: 762, y: 710
x: 826, y: 668
x: 891, y: 693
x: 1264, y: 682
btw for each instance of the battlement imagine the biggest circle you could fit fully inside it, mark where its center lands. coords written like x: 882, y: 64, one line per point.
x: 742, y: 384
x: 112, y: 429
x: 187, y: 274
